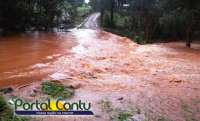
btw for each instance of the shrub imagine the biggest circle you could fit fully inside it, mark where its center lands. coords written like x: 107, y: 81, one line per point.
x: 83, y: 10
x: 124, y: 116
x: 55, y: 89
x: 6, y: 113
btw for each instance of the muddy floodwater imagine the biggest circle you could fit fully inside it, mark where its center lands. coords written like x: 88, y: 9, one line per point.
x: 28, y: 51
x: 157, y: 81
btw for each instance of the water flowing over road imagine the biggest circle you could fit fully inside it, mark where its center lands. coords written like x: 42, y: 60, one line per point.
x: 91, y: 22
x: 157, y: 80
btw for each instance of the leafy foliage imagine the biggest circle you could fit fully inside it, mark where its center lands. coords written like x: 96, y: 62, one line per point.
x: 21, y: 15
x: 124, y: 116
x: 56, y: 90
x: 156, y: 19
x: 83, y: 10
x: 6, y: 114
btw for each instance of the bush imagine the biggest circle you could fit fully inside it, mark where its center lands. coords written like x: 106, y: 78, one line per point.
x: 121, y: 21
x: 56, y: 90
x: 6, y: 113
x: 124, y: 116
x: 106, y: 20
x: 83, y: 10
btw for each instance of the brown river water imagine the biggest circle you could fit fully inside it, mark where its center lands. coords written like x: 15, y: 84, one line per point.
x: 26, y: 50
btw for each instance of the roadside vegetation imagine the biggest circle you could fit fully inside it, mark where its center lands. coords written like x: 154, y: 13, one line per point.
x: 40, y: 15
x: 151, y: 20
x: 118, y: 114
x: 82, y: 12
x: 131, y: 113
x: 6, y: 113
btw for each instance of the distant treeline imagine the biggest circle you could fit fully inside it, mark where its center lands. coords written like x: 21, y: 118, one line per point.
x: 148, y: 20
x: 22, y: 15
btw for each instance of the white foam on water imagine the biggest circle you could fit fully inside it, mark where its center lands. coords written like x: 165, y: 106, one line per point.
x: 55, y: 55
x: 49, y: 57
x: 39, y: 65
x: 7, y: 72
x: 58, y: 76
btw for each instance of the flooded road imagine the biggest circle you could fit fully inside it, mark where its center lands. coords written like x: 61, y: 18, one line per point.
x: 92, y: 21
x: 161, y: 80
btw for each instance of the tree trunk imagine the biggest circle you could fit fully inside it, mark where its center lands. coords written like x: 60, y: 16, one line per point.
x: 188, y: 38
x: 112, y: 13
x: 189, y: 30
x: 147, y: 35
x: 102, y: 15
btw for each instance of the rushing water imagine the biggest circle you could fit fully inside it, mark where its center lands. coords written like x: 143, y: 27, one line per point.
x: 32, y: 49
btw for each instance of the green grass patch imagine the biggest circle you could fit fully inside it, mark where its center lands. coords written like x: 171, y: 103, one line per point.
x: 57, y: 90
x: 124, y: 116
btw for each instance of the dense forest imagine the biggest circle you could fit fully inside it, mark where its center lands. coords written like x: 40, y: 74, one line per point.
x: 150, y: 20
x: 22, y: 15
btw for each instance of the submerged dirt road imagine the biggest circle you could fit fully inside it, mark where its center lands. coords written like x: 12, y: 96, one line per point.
x: 152, y: 82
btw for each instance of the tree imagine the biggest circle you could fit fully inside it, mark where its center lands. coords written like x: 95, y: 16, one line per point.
x: 145, y: 14
x: 155, y: 19
x: 189, y: 10
x: 22, y: 15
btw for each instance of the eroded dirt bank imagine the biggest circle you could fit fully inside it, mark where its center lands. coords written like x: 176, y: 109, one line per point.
x: 158, y: 81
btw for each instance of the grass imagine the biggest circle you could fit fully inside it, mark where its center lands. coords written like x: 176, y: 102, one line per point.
x: 130, y: 113
x: 162, y: 119
x: 124, y: 116
x: 106, y: 105
x: 115, y: 114
x: 188, y: 112
x: 57, y: 90
x: 6, y: 113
